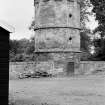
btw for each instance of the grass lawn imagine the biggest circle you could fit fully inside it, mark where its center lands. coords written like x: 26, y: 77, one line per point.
x: 84, y: 90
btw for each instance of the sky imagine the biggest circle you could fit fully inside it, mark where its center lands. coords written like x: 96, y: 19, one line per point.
x: 19, y: 14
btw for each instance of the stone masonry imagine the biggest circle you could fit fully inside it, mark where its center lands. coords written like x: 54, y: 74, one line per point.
x: 57, y: 33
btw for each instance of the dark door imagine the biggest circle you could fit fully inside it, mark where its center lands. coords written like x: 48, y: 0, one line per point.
x: 70, y: 68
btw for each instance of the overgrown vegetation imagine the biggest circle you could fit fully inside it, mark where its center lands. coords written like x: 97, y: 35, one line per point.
x: 23, y: 50
x: 99, y: 43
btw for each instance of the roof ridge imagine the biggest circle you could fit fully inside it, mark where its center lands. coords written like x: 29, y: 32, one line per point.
x: 6, y: 26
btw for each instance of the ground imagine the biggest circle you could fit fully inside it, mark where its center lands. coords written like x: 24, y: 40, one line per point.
x: 82, y: 90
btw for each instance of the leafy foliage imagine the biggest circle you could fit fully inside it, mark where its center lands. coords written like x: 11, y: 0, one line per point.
x: 99, y: 10
x: 85, y: 5
x: 100, y: 49
x: 21, y: 50
x: 85, y: 46
x: 85, y: 41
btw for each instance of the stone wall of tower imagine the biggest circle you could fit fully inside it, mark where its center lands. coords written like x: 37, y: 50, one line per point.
x: 58, y: 13
x: 58, y: 38
x: 57, y: 24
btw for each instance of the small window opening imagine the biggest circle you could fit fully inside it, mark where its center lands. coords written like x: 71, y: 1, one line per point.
x: 70, y: 15
x: 70, y: 38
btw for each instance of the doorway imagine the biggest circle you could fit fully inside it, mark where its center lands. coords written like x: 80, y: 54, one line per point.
x: 70, y: 68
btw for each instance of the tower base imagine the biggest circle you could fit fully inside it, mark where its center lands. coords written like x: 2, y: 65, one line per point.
x: 62, y: 63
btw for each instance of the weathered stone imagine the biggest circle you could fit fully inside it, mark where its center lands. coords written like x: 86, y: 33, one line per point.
x: 56, y: 67
x: 57, y: 32
x: 58, y: 38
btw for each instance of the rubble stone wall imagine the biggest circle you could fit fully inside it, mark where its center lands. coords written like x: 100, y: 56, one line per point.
x: 57, y: 25
x: 85, y: 67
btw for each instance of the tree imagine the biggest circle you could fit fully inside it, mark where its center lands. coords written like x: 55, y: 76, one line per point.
x: 99, y: 10
x: 85, y: 41
x: 14, y: 45
x: 85, y: 45
x: 99, y: 49
x: 21, y: 50
x: 85, y: 13
x: 31, y: 46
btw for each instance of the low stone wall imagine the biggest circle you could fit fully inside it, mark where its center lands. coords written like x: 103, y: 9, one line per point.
x: 85, y: 67
x: 21, y: 66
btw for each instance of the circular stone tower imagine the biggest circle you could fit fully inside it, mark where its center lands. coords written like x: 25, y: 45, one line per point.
x: 57, y: 33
